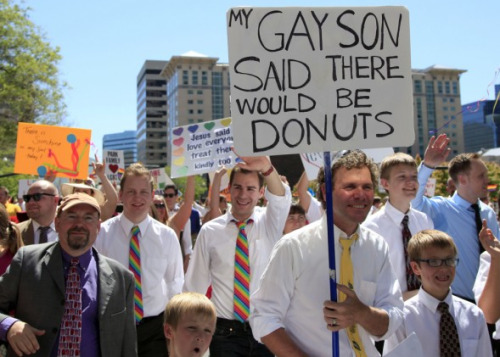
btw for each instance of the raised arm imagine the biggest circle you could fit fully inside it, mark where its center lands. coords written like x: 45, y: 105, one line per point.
x: 263, y: 165
x: 488, y: 301
x: 179, y: 219
x: 304, y: 197
x: 109, y: 207
x: 437, y: 151
x: 214, y: 210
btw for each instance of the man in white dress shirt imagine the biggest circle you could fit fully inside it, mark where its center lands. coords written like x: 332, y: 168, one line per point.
x: 162, y: 274
x: 213, y: 260
x: 291, y: 304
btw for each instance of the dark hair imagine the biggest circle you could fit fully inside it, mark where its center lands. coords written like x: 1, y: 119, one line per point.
x: 355, y: 159
x: 295, y: 208
x: 10, y: 237
x: 172, y: 187
x: 461, y: 165
x: 237, y: 169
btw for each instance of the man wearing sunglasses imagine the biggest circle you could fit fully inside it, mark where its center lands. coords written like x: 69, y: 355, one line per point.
x: 41, y: 205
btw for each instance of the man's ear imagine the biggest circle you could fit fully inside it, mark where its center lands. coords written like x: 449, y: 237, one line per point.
x: 384, y: 183
x: 415, y: 267
x: 168, y: 331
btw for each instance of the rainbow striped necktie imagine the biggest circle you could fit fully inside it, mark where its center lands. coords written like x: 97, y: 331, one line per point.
x: 134, y: 265
x: 241, y: 274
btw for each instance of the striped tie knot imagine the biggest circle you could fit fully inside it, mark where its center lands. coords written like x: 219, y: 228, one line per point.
x: 242, y: 273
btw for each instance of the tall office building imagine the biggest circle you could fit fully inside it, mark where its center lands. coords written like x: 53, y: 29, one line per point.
x: 436, y: 108
x: 482, y: 124
x: 152, y: 115
x: 125, y: 141
x: 197, y: 89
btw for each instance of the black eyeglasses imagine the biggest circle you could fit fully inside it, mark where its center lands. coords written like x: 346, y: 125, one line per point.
x: 169, y: 195
x: 159, y: 205
x: 451, y: 262
x: 36, y: 196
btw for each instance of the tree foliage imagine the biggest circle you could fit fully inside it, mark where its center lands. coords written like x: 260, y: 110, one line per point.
x: 30, y: 88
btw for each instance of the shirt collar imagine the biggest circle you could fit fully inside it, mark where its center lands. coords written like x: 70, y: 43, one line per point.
x: 36, y: 225
x: 431, y: 302
x: 230, y: 218
x: 83, y: 260
x: 128, y: 224
x: 461, y: 202
x: 395, y: 214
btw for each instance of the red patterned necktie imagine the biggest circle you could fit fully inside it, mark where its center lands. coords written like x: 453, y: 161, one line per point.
x: 241, y: 297
x: 411, y: 279
x: 134, y: 264
x: 449, y: 343
x: 71, y: 324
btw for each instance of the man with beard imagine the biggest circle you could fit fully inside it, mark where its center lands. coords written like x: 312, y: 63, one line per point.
x: 41, y: 205
x: 68, y: 299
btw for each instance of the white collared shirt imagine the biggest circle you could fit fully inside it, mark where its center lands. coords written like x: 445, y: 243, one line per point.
x: 387, y: 223
x: 212, y: 262
x: 296, y: 283
x: 52, y: 235
x: 422, y: 317
x: 162, y: 273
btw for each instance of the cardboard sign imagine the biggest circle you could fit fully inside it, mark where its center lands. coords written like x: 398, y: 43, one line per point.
x: 430, y: 187
x: 46, y: 148
x: 114, y: 164
x: 160, y: 180
x: 307, y: 80
x: 312, y: 162
x: 202, y: 148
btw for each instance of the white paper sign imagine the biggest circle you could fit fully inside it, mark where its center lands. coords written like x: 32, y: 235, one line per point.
x: 202, y: 148
x: 319, y: 79
x: 430, y: 187
x: 114, y: 164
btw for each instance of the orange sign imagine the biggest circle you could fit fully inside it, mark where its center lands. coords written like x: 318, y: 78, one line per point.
x: 43, y: 149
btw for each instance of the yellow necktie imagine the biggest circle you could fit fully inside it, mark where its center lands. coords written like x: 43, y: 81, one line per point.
x: 347, y: 279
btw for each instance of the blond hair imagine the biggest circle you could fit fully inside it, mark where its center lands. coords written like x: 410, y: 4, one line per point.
x: 429, y: 238
x: 394, y: 160
x: 188, y: 302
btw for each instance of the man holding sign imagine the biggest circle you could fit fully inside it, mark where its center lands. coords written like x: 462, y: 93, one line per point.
x: 232, y: 250
x: 291, y: 303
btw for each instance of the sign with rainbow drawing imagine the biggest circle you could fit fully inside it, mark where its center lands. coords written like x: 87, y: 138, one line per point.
x: 43, y: 149
x: 201, y: 148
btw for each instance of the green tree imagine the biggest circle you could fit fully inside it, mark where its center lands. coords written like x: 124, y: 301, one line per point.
x: 30, y: 88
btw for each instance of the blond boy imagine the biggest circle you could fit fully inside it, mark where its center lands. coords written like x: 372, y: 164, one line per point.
x: 398, y: 176
x: 433, y: 257
x: 189, y: 324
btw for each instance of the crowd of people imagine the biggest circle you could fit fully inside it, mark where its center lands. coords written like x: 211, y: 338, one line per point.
x: 164, y: 276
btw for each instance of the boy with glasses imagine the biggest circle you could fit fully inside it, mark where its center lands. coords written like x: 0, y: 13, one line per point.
x: 445, y: 325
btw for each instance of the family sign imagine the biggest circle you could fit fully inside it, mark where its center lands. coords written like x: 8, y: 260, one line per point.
x: 319, y: 79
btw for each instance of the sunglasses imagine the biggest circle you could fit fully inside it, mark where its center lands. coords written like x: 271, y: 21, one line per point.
x: 36, y: 196
x: 169, y: 195
x: 159, y: 205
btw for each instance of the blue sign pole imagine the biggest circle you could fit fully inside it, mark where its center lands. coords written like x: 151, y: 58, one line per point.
x: 331, y: 243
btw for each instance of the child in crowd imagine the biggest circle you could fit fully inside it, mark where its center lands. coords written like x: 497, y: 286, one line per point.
x: 436, y: 316
x: 396, y: 221
x: 189, y: 324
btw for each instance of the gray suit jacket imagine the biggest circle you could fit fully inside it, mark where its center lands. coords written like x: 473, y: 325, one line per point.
x: 27, y: 231
x: 34, y: 287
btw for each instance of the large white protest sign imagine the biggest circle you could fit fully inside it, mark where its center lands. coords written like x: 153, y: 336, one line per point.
x: 319, y: 79
x: 114, y: 164
x: 201, y: 148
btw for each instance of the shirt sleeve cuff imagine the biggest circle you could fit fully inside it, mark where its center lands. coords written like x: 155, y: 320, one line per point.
x: 5, y: 325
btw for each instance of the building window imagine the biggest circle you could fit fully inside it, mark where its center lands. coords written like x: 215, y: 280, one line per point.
x: 455, y: 87
x: 194, y: 78
x: 185, y: 78
x: 190, y: 120
x: 199, y: 91
x: 447, y: 87
x: 440, y: 87
x: 199, y: 102
x: 204, y: 78
x: 200, y: 111
x: 191, y: 111
x: 418, y: 86
x: 190, y: 101
x: 190, y: 91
